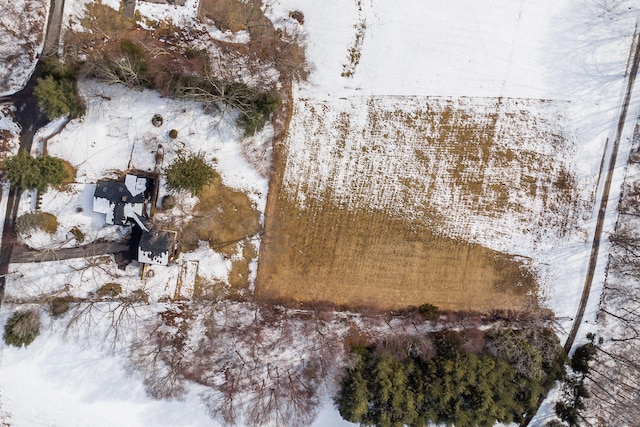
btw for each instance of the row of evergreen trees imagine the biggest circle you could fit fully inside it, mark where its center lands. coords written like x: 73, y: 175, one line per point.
x: 502, y: 382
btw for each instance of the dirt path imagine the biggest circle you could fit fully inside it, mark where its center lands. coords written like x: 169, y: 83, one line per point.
x: 634, y: 56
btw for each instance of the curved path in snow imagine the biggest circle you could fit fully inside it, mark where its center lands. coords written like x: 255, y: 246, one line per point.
x: 634, y: 59
x: 632, y: 71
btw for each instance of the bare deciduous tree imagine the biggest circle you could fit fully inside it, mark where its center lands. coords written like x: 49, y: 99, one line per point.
x: 613, y: 378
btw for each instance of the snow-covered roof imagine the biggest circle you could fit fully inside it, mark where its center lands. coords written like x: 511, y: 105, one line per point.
x: 135, y: 184
x: 156, y: 247
x: 120, y: 201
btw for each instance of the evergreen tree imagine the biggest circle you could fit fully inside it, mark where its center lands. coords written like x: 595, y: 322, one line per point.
x: 191, y: 173
x: 454, y: 388
x: 58, y: 97
x: 26, y: 172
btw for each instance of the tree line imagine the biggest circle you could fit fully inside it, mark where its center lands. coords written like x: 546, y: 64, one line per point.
x: 460, y: 384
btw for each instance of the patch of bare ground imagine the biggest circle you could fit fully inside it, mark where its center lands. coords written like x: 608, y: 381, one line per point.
x: 234, y: 15
x: 361, y: 258
x: 223, y: 217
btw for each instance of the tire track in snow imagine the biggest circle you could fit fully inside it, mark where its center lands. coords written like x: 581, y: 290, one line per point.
x: 597, y: 237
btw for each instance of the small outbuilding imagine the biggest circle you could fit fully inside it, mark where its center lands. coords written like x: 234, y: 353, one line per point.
x: 157, y: 247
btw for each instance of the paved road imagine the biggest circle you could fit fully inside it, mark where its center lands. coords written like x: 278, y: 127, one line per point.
x: 129, y: 9
x: 54, y: 27
x: 597, y: 237
x: 30, y: 119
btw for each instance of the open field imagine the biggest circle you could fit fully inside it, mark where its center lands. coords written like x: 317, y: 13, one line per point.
x: 386, y: 201
x: 359, y: 258
x: 479, y: 169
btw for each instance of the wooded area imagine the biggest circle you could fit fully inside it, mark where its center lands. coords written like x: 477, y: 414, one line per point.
x: 461, y: 383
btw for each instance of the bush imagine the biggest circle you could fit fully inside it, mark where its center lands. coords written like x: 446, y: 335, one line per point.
x: 31, y: 221
x: 58, y: 306
x: 173, y: 134
x: 22, y: 328
x: 24, y: 171
x: 254, y: 105
x: 256, y: 115
x: 192, y: 52
x: 582, y: 357
x: 567, y: 413
x: 109, y: 290
x: 139, y: 296
x: 428, y: 311
x: 168, y: 202
x: 131, y: 48
x: 130, y: 71
x: 58, y: 97
x: 77, y: 234
x: 191, y: 173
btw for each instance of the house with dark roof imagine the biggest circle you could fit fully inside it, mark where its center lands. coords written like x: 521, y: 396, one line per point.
x: 126, y: 203
x: 121, y: 201
x: 157, y: 247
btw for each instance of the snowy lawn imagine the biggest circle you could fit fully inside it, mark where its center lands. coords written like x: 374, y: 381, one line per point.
x: 22, y: 25
x: 117, y: 135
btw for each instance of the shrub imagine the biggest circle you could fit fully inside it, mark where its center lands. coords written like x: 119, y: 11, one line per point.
x: 168, y: 202
x: 31, y: 221
x: 254, y: 105
x: 129, y: 70
x: 58, y: 97
x: 582, y: 357
x: 253, y: 118
x: 22, y: 328
x: 24, y: 171
x: 139, y: 296
x: 77, y: 234
x: 190, y: 173
x: 173, y: 134
x: 58, y: 306
x: 567, y: 413
x: 428, y: 311
x: 58, y: 70
x: 109, y: 290
x: 131, y: 48
x: 192, y: 52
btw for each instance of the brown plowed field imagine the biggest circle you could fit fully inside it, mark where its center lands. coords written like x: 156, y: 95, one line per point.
x: 359, y: 258
x: 377, y: 206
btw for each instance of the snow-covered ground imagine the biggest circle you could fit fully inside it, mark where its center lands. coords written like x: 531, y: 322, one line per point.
x: 117, y: 135
x: 570, y: 52
x: 9, y: 131
x: 22, y: 24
